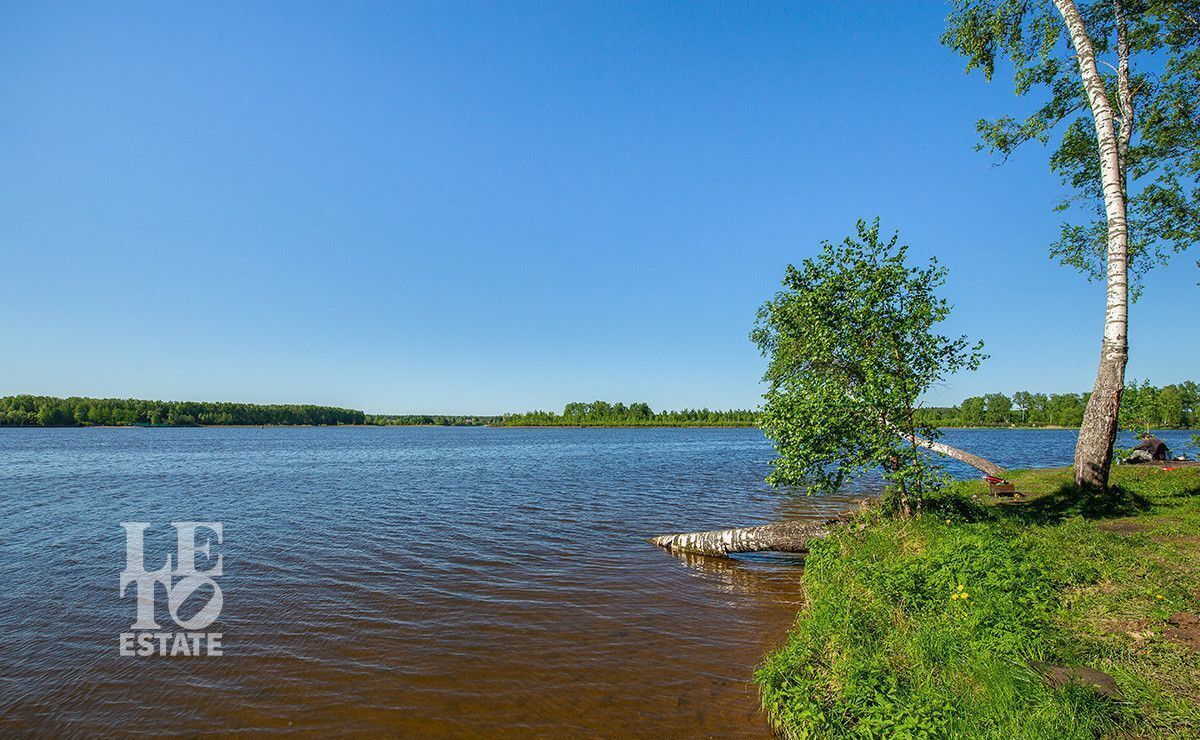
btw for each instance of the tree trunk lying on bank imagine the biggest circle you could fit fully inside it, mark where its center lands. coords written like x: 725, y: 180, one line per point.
x: 792, y: 536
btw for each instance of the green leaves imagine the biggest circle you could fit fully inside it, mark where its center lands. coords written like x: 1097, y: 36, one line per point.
x: 1163, y: 158
x: 852, y: 347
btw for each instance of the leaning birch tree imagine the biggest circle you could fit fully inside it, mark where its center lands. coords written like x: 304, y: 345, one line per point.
x: 1121, y: 86
x: 853, y: 344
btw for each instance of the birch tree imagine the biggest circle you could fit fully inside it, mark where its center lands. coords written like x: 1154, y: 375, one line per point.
x: 1120, y: 87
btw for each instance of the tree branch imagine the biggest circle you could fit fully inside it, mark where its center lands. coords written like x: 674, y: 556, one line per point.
x: 1124, y: 94
x: 985, y: 466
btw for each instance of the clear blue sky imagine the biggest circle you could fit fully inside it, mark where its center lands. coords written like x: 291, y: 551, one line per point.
x: 497, y: 207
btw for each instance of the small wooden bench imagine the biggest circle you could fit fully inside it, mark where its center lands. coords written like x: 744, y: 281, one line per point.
x: 999, y: 486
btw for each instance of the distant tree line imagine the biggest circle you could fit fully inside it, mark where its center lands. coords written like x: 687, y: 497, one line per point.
x: 1144, y: 406
x: 1175, y: 406
x: 429, y: 420
x: 605, y: 414
x: 48, y: 411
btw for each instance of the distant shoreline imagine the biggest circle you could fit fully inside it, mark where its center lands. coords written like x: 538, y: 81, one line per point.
x: 78, y: 411
x: 501, y: 426
x: 621, y: 426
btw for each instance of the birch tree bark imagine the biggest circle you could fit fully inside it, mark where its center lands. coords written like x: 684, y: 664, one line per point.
x: 1093, y: 452
x: 791, y: 536
x: 986, y: 466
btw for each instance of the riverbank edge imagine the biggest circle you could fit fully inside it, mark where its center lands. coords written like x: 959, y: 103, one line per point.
x: 945, y: 624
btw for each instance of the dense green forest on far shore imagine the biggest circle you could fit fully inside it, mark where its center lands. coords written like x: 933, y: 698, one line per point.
x: 48, y: 411
x: 605, y: 414
x: 1143, y: 406
x: 1175, y: 406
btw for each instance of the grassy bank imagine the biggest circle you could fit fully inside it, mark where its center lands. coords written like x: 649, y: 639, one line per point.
x: 933, y: 627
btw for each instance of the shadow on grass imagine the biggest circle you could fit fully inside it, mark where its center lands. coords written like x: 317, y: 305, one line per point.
x: 1070, y: 501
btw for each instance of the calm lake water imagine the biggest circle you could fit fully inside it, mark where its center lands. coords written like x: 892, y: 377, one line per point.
x: 415, y: 582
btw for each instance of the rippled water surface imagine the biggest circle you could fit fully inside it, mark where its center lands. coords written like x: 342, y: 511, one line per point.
x: 420, y: 582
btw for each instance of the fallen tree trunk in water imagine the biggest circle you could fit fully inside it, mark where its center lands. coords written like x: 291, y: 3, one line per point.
x: 792, y: 536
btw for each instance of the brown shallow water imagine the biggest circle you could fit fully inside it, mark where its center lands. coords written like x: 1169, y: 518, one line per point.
x: 419, y: 582
x: 406, y: 582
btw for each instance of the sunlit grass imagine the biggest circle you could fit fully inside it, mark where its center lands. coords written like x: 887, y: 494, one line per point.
x: 926, y: 628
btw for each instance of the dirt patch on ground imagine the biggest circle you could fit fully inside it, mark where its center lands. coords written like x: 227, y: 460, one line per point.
x: 1058, y: 676
x: 1190, y: 540
x: 1123, y: 526
x: 1141, y: 630
x: 1184, y: 628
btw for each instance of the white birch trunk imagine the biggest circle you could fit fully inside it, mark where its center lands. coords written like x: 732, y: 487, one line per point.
x: 986, y: 466
x: 1093, y: 452
x: 791, y: 536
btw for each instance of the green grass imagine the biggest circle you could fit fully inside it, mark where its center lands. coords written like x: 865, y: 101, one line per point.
x: 884, y: 650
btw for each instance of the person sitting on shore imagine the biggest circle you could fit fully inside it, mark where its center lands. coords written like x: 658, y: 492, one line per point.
x: 1150, y: 449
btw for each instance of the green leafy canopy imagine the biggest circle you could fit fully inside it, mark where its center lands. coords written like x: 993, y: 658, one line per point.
x: 852, y: 347
x: 1162, y: 162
